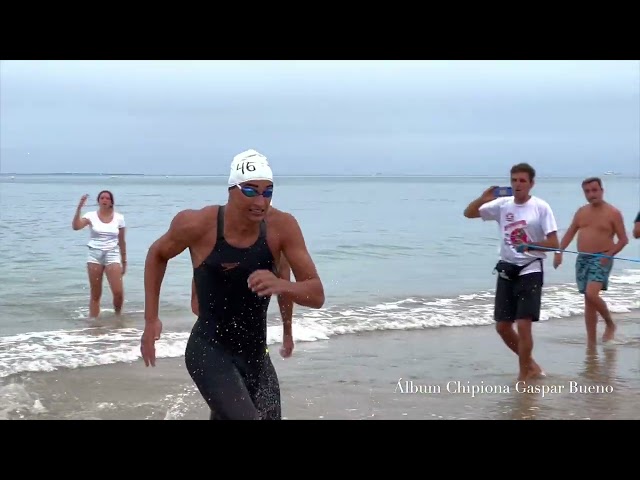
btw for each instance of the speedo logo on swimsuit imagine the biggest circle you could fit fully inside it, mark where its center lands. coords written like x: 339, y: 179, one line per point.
x: 229, y: 266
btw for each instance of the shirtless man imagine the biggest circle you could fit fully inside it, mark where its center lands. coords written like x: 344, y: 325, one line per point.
x: 596, y: 224
x: 234, y: 250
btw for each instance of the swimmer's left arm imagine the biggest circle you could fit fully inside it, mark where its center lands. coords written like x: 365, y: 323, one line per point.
x: 307, y: 290
x: 286, y: 310
x: 621, y: 233
x: 284, y: 302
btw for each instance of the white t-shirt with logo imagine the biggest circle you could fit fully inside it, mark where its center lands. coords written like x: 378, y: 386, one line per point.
x: 104, y: 236
x: 532, y: 221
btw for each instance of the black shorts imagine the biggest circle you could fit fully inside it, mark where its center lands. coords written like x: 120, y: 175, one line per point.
x: 518, y: 299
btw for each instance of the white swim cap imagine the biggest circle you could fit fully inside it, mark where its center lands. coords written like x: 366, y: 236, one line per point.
x: 249, y: 165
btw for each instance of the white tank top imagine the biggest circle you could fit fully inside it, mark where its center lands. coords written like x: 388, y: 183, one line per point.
x: 104, y: 236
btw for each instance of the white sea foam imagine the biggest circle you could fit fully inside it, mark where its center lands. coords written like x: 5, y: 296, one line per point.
x: 50, y: 350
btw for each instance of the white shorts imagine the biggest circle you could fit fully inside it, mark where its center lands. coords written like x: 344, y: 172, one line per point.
x: 104, y: 257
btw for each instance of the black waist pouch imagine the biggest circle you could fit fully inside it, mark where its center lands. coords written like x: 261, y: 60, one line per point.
x: 510, y: 271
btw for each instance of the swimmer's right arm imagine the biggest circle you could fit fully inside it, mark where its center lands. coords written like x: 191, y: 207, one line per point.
x: 79, y: 223
x: 184, y: 229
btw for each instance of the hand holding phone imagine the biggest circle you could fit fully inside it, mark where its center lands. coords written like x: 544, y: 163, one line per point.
x: 503, y: 192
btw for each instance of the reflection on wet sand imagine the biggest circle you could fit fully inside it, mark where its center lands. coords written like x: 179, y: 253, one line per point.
x: 596, y: 392
x: 600, y: 369
x: 523, y: 406
x: 599, y: 374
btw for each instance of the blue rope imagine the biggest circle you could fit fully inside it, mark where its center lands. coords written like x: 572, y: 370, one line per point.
x: 535, y: 247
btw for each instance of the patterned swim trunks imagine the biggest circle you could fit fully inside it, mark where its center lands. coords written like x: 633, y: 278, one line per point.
x: 589, y: 269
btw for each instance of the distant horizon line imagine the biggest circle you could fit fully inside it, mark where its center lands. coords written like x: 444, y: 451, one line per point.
x: 373, y: 175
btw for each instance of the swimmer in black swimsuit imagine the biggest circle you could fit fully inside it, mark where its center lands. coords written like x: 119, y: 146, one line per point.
x: 284, y: 303
x: 234, y: 249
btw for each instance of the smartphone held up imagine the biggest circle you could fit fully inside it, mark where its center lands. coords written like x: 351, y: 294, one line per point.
x: 503, y: 192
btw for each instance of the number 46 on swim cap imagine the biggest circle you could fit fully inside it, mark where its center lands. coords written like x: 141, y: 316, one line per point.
x: 247, y: 166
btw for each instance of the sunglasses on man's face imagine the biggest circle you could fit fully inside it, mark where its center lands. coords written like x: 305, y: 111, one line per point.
x: 253, y: 192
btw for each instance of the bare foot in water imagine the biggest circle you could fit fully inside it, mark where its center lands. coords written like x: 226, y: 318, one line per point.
x: 535, y: 371
x: 609, y: 333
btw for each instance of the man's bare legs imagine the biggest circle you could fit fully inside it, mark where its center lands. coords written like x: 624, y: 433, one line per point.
x: 521, y: 343
x: 591, y: 322
x: 594, y: 304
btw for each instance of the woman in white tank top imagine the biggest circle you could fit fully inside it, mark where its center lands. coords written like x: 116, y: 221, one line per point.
x: 107, y: 250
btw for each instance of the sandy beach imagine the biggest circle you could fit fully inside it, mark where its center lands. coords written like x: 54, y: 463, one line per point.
x: 377, y: 162
x: 462, y: 373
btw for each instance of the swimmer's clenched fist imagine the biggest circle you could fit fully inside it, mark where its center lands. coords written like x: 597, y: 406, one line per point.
x: 265, y: 283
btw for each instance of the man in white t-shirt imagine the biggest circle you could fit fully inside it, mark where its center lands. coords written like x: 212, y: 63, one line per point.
x: 523, y: 219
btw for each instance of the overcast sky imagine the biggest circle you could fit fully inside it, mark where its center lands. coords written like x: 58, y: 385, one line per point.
x: 320, y: 117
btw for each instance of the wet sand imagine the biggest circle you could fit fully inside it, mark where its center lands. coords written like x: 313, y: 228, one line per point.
x: 446, y: 373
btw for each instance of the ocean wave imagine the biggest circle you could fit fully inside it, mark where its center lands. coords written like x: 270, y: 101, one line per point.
x: 86, y: 347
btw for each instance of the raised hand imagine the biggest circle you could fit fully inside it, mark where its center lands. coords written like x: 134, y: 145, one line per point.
x: 489, y: 194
